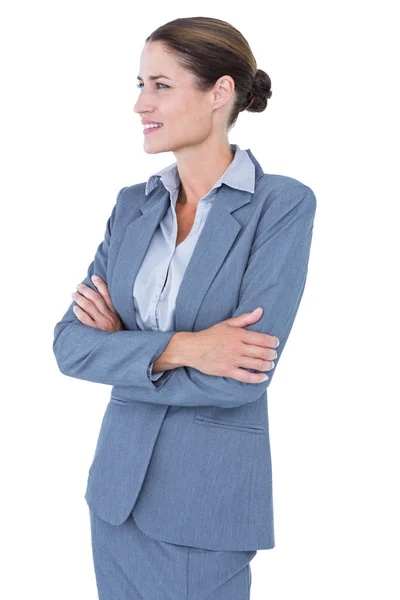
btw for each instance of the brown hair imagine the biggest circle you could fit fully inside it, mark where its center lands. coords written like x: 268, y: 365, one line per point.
x: 210, y: 48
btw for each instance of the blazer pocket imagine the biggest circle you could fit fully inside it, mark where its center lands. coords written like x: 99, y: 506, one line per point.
x: 118, y: 401
x: 214, y: 422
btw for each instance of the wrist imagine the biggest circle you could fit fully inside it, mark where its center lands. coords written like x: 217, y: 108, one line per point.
x: 179, y: 352
x: 183, y: 349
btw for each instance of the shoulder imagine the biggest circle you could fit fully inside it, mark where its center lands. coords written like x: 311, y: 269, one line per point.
x: 285, y: 192
x: 131, y: 194
x: 129, y: 199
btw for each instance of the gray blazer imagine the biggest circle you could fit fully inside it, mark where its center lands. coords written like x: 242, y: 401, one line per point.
x: 189, y: 454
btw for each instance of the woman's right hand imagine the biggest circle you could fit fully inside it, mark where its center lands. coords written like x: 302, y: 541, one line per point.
x: 224, y: 347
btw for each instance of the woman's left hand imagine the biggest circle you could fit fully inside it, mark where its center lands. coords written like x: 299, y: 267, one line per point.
x: 95, y: 309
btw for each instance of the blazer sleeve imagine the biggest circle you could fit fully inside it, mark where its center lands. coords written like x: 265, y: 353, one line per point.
x: 120, y: 358
x: 274, y: 279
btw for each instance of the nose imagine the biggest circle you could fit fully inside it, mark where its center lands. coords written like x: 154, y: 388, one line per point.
x: 142, y: 105
x: 136, y: 108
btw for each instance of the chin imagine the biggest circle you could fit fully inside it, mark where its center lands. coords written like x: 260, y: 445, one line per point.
x: 157, y: 147
x: 155, y: 150
x: 151, y: 148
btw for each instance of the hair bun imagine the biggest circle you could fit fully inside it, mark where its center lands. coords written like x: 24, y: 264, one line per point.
x: 261, y: 91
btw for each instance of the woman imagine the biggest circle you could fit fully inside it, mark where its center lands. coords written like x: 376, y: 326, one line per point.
x: 180, y: 487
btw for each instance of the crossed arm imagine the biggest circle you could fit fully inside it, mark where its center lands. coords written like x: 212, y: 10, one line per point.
x: 274, y: 279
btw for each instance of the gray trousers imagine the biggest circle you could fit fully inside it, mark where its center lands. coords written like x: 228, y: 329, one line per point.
x: 130, y: 565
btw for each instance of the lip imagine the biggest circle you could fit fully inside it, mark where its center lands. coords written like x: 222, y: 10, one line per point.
x: 145, y: 122
x: 151, y: 130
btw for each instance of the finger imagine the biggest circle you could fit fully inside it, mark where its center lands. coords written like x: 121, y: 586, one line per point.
x: 83, y: 316
x: 103, y: 289
x: 95, y: 302
x: 91, y: 307
x: 247, y: 377
x: 259, y: 352
x: 260, y: 339
x: 256, y: 363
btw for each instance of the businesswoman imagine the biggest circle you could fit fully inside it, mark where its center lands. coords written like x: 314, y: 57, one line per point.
x: 185, y: 311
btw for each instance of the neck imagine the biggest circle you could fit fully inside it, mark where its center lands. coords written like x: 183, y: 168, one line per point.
x: 199, y: 168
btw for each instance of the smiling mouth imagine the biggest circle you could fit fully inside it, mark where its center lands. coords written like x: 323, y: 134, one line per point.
x: 148, y: 130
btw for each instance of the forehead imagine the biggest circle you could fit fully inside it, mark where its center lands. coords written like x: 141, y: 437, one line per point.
x: 156, y: 60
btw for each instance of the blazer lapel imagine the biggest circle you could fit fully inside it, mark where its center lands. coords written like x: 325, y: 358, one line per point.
x: 217, y: 236
x: 132, y: 251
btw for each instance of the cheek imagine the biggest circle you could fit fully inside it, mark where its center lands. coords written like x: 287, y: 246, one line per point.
x: 187, y: 117
x: 187, y: 124
x: 189, y: 111
x: 196, y: 118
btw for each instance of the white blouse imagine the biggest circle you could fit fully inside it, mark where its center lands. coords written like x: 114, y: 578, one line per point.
x: 158, y: 280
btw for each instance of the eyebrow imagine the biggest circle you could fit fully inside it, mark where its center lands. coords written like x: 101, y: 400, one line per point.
x: 152, y: 77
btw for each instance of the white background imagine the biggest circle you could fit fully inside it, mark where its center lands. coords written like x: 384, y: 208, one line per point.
x: 69, y: 142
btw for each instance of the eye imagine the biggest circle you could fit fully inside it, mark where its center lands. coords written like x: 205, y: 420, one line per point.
x: 139, y: 85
